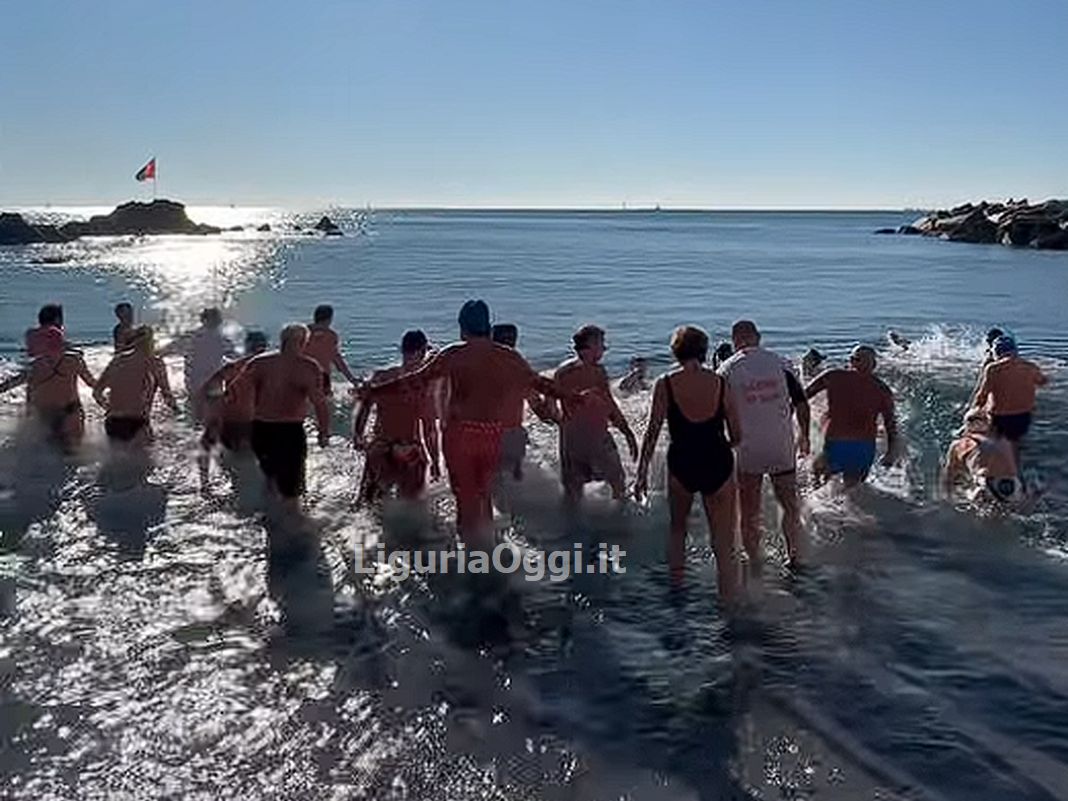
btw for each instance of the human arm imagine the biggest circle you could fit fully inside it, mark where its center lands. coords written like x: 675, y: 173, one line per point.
x: 84, y: 373
x: 652, y: 433
x: 816, y: 386
x: 416, y: 381
x: 317, y: 397
x: 343, y: 367
x: 544, y: 409
x: 802, y: 411
x: 1041, y: 379
x: 431, y: 437
x: 616, y: 417
x: 734, y: 422
x: 164, y: 383
x: 359, y: 421
x: 952, y: 470
x: 890, y: 424
x: 982, y: 391
x: 102, y: 384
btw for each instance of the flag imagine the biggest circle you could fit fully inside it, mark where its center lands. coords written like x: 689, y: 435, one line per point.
x: 148, y: 172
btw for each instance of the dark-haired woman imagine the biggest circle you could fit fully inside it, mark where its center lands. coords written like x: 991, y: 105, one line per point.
x: 698, y: 410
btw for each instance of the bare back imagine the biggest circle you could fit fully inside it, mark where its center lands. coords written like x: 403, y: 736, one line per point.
x: 482, y: 377
x: 132, y: 379
x: 855, y: 400
x: 698, y: 393
x: 1012, y: 384
x: 53, y: 382
x: 589, y: 380
x: 283, y: 385
x: 397, y: 416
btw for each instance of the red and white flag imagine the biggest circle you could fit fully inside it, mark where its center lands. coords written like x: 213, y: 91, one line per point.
x: 148, y: 172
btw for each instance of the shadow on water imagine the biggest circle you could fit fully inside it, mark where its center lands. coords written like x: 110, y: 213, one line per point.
x: 124, y: 504
x: 34, y: 472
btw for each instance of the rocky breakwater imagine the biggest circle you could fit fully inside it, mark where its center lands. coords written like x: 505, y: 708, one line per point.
x: 1016, y: 222
x: 157, y: 217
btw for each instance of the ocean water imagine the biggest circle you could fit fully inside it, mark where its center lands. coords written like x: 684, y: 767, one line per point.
x: 148, y: 649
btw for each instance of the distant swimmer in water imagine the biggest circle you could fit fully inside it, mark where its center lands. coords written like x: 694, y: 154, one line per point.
x: 480, y: 373
x: 984, y: 462
x: 229, y: 406
x: 697, y: 406
x: 856, y: 398
x: 405, y: 440
x: 51, y: 381
x: 898, y: 341
x: 587, y: 451
x: 767, y: 395
x: 812, y: 363
x: 723, y: 351
x: 514, y: 436
x: 325, y: 347
x: 636, y: 379
x: 120, y: 334
x: 1009, y: 385
x: 127, y: 389
x: 283, y: 384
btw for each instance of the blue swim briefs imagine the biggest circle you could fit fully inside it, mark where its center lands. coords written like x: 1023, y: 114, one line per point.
x: 849, y: 456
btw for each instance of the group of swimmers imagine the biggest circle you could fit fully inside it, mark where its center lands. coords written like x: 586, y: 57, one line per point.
x: 730, y: 427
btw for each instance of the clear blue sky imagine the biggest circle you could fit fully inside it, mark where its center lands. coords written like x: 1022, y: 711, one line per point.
x: 762, y: 103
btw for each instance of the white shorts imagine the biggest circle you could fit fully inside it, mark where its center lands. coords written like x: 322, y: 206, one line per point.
x: 763, y: 462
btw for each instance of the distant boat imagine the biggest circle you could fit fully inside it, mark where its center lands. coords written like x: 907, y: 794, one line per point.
x: 657, y: 207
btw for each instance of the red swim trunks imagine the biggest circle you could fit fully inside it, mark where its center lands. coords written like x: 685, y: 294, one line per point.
x: 472, y: 452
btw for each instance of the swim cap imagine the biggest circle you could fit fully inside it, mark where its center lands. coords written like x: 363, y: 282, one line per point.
x: 474, y: 318
x: 1004, y: 346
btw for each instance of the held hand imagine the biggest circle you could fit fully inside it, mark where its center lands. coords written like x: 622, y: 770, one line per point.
x: 435, y: 470
x: 888, y: 460
x: 641, y: 488
x: 804, y: 446
x: 359, y: 442
x: 324, y: 439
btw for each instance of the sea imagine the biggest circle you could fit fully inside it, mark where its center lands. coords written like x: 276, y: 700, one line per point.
x: 150, y: 649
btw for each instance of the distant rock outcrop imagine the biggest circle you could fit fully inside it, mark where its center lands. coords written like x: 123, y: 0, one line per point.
x: 157, y: 217
x: 328, y: 227
x: 1015, y: 222
x: 265, y: 228
x: 14, y: 230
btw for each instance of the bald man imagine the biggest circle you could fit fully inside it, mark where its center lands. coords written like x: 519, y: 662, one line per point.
x: 856, y: 399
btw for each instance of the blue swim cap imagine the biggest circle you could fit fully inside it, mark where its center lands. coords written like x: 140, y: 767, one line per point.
x: 1005, y: 346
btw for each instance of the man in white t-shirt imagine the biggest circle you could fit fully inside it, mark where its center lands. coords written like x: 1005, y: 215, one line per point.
x: 767, y: 395
x: 204, y: 351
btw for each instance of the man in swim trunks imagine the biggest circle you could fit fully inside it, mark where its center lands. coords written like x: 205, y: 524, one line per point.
x: 766, y: 395
x: 282, y: 386
x: 514, y: 437
x: 984, y: 461
x: 127, y: 388
x: 1007, y: 389
x: 51, y: 382
x: 405, y: 438
x: 587, y: 450
x: 229, y: 407
x: 856, y: 398
x: 120, y: 334
x: 325, y: 347
x: 481, y: 375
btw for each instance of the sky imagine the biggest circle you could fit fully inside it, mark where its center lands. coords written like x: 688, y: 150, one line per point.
x: 555, y: 103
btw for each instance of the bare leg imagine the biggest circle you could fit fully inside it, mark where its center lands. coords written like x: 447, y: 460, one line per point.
x: 785, y: 486
x: 680, y: 501
x: 750, y: 490
x: 721, y: 511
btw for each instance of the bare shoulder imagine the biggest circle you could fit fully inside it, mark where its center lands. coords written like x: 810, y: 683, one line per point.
x: 567, y: 367
x: 385, y: 374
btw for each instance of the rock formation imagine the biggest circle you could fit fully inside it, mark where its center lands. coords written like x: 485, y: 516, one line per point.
x: 328, y: 227
x: 157, y: 217
x: 1016, y: 222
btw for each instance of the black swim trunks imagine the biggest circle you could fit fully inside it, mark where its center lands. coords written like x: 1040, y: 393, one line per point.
x: 1013, y: 427
x: 124, y: 429
x: 281, y: 449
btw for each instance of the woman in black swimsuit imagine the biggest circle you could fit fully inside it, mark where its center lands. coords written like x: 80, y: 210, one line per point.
x: 700, y: 459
